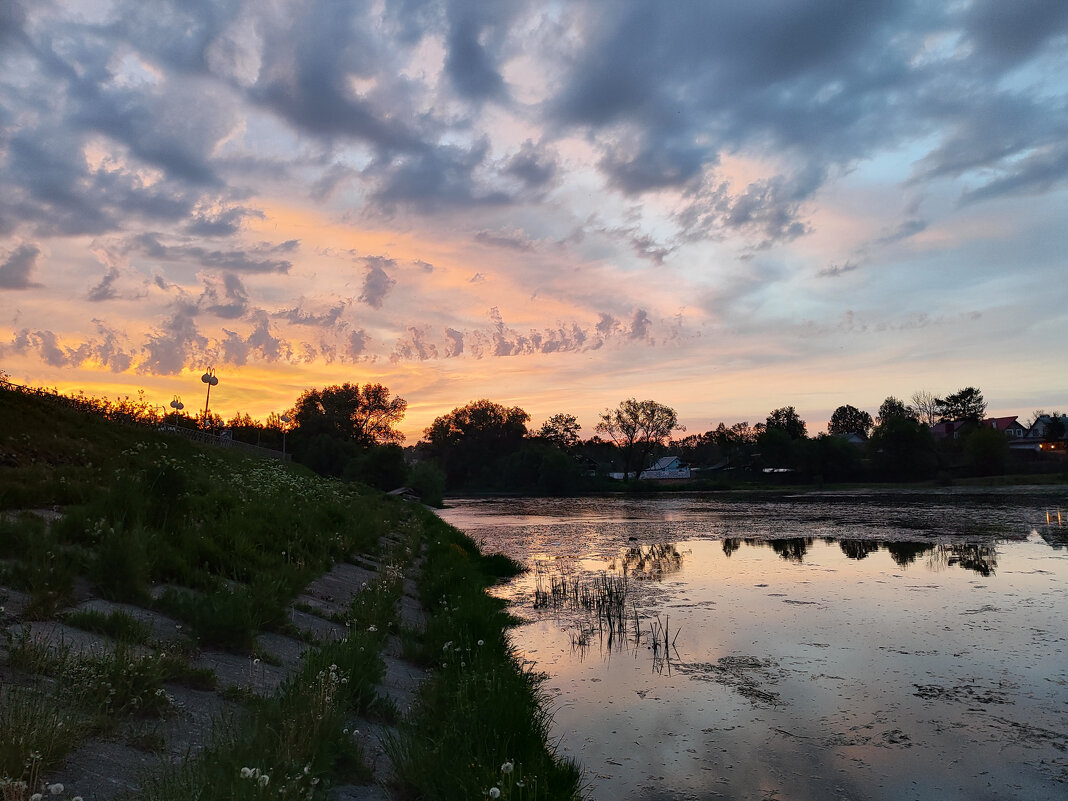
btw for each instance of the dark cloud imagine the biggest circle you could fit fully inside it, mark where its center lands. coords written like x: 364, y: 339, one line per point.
x: 226, y: 298
x: 435, y: 178
x: 105, y: 290
x: 16, y: 268
x: 260, y: 342
x: 835, y: 270
x: 454, y: 343
x: 356, y: 346
x: 1009, y: 33
x: 512, y: 240
x: 907, y: 229
x: 415, y: 345
x: 177, y: 344
x: 468, y: 65
x: 377, y: 282
x: 327, y: 319
x: 255, y: 260
x: 640, y: 325
x: 535, y: 166
x: 225, y: 222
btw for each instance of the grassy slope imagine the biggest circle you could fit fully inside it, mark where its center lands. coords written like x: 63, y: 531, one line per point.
x: 234, y: 540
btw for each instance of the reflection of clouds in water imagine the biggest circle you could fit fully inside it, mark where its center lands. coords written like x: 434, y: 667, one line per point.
x: 849, y: 615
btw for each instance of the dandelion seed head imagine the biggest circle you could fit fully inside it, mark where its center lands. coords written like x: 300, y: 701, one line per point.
x: 507, y: 767
x: 495, y: 792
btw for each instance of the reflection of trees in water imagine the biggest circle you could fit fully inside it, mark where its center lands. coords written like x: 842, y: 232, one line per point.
x: 980, y: 557
x: 971, y: 556
x: 905, y: 553
x: 650, y: 561
x: 793, y: 549
x: 858, y: 549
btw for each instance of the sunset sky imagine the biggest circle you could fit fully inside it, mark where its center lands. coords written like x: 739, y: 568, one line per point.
x: 725, y: 207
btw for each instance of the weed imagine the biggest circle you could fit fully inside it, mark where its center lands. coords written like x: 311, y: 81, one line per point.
x: 37, y: 730
x: 118, y: 625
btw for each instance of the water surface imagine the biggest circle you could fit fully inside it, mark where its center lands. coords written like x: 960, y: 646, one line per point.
x: 831, y: 646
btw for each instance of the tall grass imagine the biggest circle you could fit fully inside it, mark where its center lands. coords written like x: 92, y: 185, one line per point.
x: 481, y: 707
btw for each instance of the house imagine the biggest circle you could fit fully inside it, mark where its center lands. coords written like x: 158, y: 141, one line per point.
x: 1011, y: 427
x: 853, y: 439
x: 665, y: 467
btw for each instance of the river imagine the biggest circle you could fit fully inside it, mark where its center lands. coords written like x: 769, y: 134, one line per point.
x: 868, y: 645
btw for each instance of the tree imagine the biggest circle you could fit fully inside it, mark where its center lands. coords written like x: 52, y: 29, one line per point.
x: 850, y: 420
x: 902, y: 450
x: 365, y: 416
x: 964, y: 404
x: 986, y: 451
x: 562, y: 430
x: 734, y: 441
x: 894, y: 409
x: 787, y: 420
x: 925, y: 407
x: 471, y: 439
x: 637, y: 427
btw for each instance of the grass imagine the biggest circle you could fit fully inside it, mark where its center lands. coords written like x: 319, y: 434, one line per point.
x: 481, y: 707
x: 224, y: 544
x: 118, y: 625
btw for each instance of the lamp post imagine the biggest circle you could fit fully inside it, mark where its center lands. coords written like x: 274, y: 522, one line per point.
x: 285, y: 418
x: 177, y: 405
x: 209, y: 379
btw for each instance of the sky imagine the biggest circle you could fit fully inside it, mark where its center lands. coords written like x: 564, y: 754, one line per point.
x: 724, y: 207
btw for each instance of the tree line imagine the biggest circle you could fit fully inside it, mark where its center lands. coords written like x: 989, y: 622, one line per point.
x: 351, y: 431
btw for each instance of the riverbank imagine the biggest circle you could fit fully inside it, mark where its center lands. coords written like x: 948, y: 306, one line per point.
x: 180, y: 622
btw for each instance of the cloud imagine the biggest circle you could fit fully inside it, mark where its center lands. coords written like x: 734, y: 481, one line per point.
x: 260, y: 342
x: 105, y: 290
x: 174, y: 346
x: 227, y: 298
x: 16, y: 268
x: 222, y: 222
x: 356, y: 346
x: 376, y: 282
x: 327, y: 319
x: 468, y: 65
x: 258, y: 259
x: 835, y: 270
x: 535, y: 166
x: 512, y: 240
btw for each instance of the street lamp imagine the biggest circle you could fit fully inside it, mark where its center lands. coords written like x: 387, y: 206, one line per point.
x: 285, y: 418
x: 209, y: 379
x: 177, y: 405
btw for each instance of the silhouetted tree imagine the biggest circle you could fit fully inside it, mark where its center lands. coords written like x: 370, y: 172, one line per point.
x: 786, y: 419
x: 470, y: 439
x: 849, y: 420
x: 637, y: 427
x: 985, y: 451
x: 562, y: 430
x: 902, y: 450
x: 364, y: 415
x: 965, y: 404
x: 894, y: 409
x: 925, y: 407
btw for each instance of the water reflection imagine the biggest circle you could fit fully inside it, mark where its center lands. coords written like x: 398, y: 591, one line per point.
x: 858, y: 549
x: 808, y: 664
x: 649, y: 561
x: 978, y: 557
